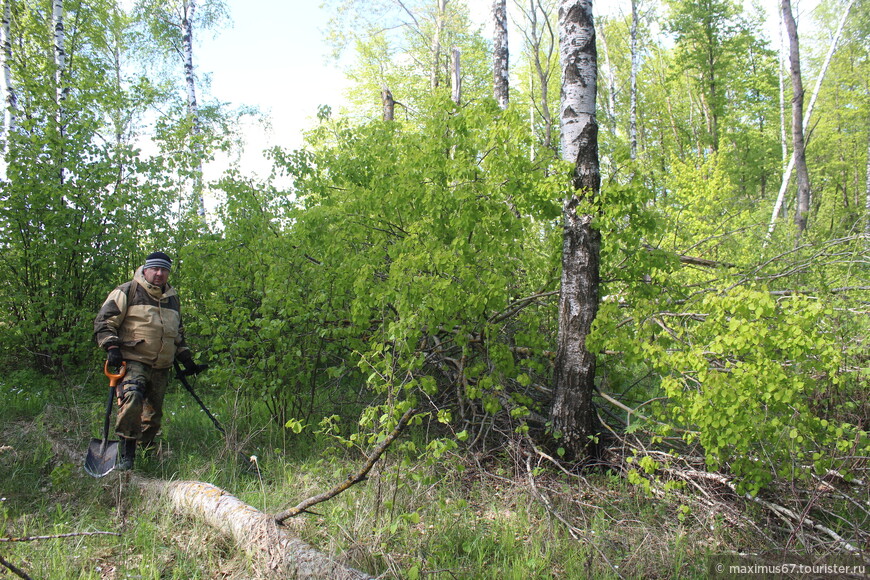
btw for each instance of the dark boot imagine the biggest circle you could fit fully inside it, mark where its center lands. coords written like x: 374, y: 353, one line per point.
x: 127, y: 455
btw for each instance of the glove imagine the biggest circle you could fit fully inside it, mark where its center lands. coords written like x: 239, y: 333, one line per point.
x: 113, y: 357
x: 190, y: 367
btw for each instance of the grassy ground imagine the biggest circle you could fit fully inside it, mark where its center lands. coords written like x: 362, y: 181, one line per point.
x: 481, y: 516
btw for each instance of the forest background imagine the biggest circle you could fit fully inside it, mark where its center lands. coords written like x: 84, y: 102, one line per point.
x: 408, y: 255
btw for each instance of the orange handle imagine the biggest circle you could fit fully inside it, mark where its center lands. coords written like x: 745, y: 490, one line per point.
x: 113, y: 379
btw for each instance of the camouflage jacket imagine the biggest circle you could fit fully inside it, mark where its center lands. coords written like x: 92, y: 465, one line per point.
x: 144, y: 320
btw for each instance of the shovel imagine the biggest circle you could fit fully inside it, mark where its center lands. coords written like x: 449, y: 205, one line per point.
x: 102, y: 453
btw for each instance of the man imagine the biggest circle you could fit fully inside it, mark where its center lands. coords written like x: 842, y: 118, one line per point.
x: 140, y: 324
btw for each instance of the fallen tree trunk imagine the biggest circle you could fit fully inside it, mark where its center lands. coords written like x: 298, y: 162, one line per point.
x: 279, y: 554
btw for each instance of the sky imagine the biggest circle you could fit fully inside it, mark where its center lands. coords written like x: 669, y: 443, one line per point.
x: 273, y: 57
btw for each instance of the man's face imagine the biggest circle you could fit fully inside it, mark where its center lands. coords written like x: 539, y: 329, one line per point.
x: 156, y: 276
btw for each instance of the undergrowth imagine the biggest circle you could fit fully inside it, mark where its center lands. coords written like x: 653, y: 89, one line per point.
x: 490, y: 515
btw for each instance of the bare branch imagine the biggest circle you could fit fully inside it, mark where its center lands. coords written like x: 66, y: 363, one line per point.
x: 351, y: 480
x: 55, y: 536
x: 17, y: 571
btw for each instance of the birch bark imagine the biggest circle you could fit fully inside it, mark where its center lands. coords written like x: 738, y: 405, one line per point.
x: 8, y: 92
x: 59, y: 67
x: 456, y: 93
x: 501, y: 85
x: 574, y: 374
x: 59, y: 47
x: 187, y: 20
x: 279, y: 554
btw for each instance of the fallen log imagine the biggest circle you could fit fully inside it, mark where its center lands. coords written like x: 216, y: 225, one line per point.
x: 278, y: 553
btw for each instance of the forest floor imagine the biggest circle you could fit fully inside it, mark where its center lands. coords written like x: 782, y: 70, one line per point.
x: 506, y: 513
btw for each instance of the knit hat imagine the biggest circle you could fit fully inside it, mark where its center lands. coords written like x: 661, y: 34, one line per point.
x: 158, y: 260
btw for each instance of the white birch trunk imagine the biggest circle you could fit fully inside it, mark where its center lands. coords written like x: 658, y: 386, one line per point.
x: 782, y: 131
x: 188, y: 16
x: 611, y: 83
x: 806, y: 120
x: 456, y: 93
x: 632, y: 112
x: 271, y: 546
x: 59, y: 66
x: 59, y: 47
x: 8, y: 92
x: 571, y: 414
x: 501, y: 83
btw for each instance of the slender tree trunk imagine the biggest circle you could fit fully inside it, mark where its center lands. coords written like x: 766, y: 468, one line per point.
x: 389, y: 104
x: 797, y: 126
x: 632, y: 112
x: 867, y: 206
x: 610, y: 111
x: 501, y: 84
x: 59, y: 47
x: 8, y: 94
x: 59, y: 67
x: 783, y: 137
x: 536, y: 44
x: 574, y: 374
x: 436, y: 44
x: 806, y: 120
x: 456, y: 93
x: 187, y: 21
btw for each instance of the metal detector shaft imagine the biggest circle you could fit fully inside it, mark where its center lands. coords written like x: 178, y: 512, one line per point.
x: 183, y: 378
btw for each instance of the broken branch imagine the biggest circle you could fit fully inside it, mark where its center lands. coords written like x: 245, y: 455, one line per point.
x: 352, y: 479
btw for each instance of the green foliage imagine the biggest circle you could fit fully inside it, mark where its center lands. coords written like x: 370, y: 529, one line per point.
x: 71, y: 216
x: 741, y: 363
x: 394, y: 239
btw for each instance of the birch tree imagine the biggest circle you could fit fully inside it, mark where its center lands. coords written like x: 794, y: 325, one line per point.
x: 7, y: 96
x: 572, y: 414
x: 172, y: 25
x: 501, y: 84
x: 59, y: 66
x: 188, y: 14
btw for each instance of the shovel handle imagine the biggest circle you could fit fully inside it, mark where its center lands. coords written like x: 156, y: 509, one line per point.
x: 114, y: 378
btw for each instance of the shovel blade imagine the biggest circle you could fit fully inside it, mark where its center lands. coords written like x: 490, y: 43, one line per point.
x: 102, y: 457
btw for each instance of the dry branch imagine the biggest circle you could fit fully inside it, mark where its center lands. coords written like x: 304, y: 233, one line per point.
x: 352, y: 479
x: 56, y: 536
x: 14, y: 569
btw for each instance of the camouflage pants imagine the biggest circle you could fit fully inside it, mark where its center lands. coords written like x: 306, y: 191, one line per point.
x: 141, y: 394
